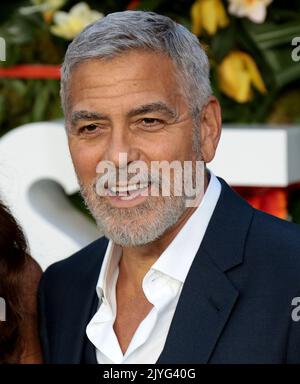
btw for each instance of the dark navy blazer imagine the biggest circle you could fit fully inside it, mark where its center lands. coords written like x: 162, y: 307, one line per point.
x: 235, y: 306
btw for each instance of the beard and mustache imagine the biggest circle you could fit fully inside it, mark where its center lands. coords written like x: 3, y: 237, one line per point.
x: 140, y: 224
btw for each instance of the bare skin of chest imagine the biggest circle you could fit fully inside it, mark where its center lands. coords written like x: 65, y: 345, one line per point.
x: 132, y: 308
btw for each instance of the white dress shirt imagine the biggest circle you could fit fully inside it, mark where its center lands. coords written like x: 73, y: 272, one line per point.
x: 162, y: 286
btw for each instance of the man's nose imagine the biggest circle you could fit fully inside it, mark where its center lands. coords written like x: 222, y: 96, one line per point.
x: 120, y: 150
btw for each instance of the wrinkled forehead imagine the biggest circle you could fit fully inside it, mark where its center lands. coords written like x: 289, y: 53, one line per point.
x: 133, y: 75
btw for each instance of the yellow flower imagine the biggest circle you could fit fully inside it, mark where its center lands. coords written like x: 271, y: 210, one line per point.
x: 208, y: 15
x: 255, y: 10
x: 237, y: 73
x: 68, y: 25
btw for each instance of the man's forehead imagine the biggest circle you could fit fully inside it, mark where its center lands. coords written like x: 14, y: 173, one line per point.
x: 92, y: 84
x: 140, y: 65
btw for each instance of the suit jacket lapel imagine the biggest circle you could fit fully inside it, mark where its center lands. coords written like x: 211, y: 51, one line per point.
x: 208, y: 296
x: 89, y: 354
x: 205, y: 304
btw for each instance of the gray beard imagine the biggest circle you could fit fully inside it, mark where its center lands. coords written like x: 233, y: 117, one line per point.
x: 135, y: 226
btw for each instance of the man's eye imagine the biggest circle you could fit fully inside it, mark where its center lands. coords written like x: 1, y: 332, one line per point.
x: 88, y: 128
x: 151, y: 122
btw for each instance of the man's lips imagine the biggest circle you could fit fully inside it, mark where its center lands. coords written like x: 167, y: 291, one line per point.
x: 128, y: 199
x: 127, y: 192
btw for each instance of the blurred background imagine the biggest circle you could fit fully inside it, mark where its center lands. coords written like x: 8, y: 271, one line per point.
x: 254, y: 52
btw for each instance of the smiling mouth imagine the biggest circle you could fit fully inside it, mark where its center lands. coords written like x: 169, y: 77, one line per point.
x: 127, y: 192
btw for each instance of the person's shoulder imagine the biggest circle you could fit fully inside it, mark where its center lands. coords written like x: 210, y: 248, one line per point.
x: 274, y: 245
x: 278, y: 231
x: 81, y: 261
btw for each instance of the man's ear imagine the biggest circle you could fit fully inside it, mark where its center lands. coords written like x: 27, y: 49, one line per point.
x: 210, y: 129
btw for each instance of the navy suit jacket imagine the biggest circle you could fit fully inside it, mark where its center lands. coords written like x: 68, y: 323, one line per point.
x: 235, y: 305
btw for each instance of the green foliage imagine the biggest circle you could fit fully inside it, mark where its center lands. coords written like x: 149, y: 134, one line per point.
x: 25, y: 101
x: 29, y: 40
x: 270, y: 45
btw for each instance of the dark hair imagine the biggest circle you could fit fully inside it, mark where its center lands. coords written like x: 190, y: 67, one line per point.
x: 13, y: 257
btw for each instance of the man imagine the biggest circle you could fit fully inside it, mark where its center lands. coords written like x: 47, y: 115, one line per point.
x: 169, y: 283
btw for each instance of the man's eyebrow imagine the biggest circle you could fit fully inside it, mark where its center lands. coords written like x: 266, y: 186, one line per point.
x: 86, y: 115
x: 145, y: 108
x: 153, y: 107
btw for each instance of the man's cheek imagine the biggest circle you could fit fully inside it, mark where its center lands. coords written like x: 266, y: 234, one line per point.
x: 84, y: 160
x: 85, y: 168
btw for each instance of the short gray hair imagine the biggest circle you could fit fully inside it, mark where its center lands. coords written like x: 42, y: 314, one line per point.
x: 123, y: 31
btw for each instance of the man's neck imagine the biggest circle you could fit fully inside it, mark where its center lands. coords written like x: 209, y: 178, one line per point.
x: 136, y: 261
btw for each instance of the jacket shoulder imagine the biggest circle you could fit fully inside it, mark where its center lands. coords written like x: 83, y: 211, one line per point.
x: 275, y: 231
x: 79, y: 263
x: 274, y: 247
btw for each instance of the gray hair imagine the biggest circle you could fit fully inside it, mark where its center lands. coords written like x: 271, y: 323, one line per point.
x: 122, y: 31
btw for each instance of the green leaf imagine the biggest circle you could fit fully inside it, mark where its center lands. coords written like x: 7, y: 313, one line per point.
x: 273, y: 41
x: 2, y: 108
x: 149, y: 5
x: 222, y: 43
x: 18, y: 86
x: 41, y: 102
x: 284, y: 68
x: 269, y: 35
